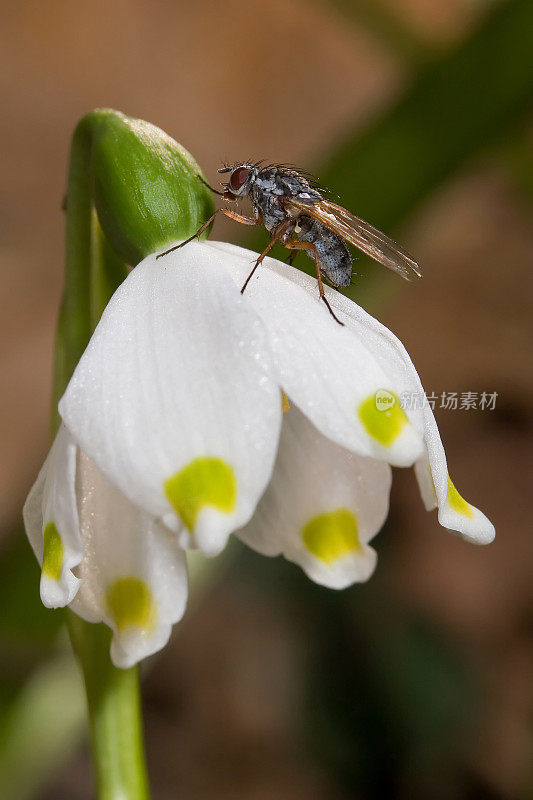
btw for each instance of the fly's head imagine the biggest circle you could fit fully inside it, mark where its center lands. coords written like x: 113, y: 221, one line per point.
x: 241, y: 179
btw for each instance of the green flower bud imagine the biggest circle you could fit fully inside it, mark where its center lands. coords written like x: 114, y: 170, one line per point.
x: 145, y: 185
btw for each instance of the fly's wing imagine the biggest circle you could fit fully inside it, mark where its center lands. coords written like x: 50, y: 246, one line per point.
x: 361, y: 234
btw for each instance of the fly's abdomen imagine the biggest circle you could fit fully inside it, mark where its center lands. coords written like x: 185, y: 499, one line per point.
x: 334, y: 257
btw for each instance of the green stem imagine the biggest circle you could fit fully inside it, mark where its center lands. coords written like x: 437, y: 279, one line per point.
x: 93, y: 271
x: 114, y: 703
x: 74, y: 324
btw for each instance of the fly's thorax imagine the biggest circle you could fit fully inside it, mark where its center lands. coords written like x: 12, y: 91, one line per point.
x: 283, y: 182
x: 272, y: 186
x: 268, y: 203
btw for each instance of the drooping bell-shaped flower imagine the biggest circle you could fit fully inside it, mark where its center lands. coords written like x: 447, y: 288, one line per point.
x: 174, y: 437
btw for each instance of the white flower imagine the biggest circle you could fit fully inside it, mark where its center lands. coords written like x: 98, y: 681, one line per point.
x: 173, y: 437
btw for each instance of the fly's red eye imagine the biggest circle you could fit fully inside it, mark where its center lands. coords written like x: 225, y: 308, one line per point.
x: 238, y: 177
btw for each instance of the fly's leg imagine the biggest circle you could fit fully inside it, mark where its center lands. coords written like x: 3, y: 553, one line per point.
x: 292, y: 256
x: 198, y: 233
x: 205, y: 183
x: 295, y: 245
x: 228, y: 213
x: 241, y: 218
x: 276, y: 236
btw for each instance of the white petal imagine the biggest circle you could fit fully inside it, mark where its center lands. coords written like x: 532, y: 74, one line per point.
x: 51, y: 522
x: 454, y: 513
x: 174, y: 397
x: 425, y: 483
x: 431, y: 470
x: 134, y: 575
x: 324, y: 368
x: 322, y: 507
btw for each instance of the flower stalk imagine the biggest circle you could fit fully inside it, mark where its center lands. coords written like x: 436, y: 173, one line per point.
x: 114, y: 160
x: 115, y: 716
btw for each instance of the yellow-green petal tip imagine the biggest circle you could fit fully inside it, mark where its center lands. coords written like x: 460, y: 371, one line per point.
x: 382, y: 416
x: 457, y: 502
x: 206, y: 481
x: 53, y: 552
x: 130, y: 604
x: 332, y: 535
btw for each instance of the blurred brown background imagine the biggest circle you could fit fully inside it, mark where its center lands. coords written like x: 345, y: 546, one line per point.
x: 287, y: 79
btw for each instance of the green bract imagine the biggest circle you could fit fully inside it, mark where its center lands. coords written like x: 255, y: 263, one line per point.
x: 145, y: 185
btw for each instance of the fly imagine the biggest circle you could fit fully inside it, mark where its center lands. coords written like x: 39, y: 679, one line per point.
x: 298, y: 215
